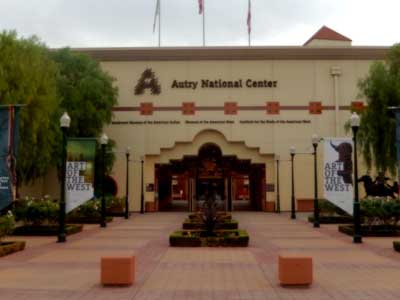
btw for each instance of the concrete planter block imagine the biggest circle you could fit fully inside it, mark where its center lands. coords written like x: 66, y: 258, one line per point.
x: 117, y: 270
x: 295, y: 270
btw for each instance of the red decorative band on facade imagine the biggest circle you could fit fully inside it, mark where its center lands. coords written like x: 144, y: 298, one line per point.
x: 188, y: 108
x: 167, y: 108
x: 273, y: 108
x: 294, y: 107
x: 232, y: 108
x: 315, y: 108
x: 146, y: 109
x: 357, y: 106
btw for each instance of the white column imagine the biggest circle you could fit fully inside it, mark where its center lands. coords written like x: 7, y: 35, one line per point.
x: 335, y: 73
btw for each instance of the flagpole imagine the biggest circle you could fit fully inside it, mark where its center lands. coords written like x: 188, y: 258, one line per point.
x: 159, y: 25
x: 249, y: 22
x: 204, y: 24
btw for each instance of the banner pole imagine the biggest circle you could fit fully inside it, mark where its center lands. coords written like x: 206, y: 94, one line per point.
x: 61, y: 231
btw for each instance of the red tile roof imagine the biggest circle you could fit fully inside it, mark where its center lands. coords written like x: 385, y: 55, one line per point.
x: 325, y: 33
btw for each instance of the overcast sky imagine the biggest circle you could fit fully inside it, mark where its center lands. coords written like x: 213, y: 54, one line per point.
x: 116, y: 23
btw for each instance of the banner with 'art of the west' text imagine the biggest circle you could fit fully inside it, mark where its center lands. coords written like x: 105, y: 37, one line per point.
x: 338, y: 172
x: 9, y: 137
x: 79, y: 173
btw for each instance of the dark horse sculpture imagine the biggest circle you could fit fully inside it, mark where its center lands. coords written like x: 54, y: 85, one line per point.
x: 379, y: 189
x: 344, y: 151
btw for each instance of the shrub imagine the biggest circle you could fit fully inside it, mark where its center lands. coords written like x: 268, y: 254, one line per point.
x: 90, y: 209
x: 11, y: 247
x: 115, y: 204
x: 327, y: 208
x: 48, y: 230
x: 200, y: 238
x: 37, y: 211
x: 396, y: 246
x: 380, y: 211
x: 45, y: 211
x: 7, y: 224
x: 197, y: 224
x: 373, y: 231
x: 346, y: 219
x: 392, y: 210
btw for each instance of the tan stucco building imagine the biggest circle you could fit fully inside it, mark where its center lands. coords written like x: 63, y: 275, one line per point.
x: 223, y: 115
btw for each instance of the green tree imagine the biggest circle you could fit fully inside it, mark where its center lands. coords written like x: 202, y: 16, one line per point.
x: 28, y: 76
x: 85, y: 91
x: 88, y: 95
x: 381, y: 88
x: 48, y: 83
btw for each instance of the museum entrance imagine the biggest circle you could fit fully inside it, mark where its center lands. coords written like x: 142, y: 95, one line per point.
x: 181, y: 185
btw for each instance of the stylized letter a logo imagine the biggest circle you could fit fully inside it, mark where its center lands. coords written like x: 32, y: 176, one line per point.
x: 148, y: 80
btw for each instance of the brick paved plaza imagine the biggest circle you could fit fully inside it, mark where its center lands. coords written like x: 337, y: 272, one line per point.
x: 47, y: 270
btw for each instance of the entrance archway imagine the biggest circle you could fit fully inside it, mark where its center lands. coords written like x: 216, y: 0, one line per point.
x: 181, y: 183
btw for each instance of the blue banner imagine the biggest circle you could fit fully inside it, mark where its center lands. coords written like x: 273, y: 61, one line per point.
x: 397, y: 113
x: 9, y: 137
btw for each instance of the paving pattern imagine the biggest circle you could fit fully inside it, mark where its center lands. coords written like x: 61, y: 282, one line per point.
x: 342, y: 270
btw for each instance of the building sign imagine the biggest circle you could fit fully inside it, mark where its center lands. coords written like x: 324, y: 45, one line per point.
x: 79, y: 177
x: 9, y: 136
x: 223, y: 84
x: 149, y: 81
x: 213, y: 122
x: 338, y: 172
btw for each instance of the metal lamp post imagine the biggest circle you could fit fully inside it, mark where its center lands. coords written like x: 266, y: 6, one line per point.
x: 142, y: 190
x: 278, y: 200
x: 127, y: 153
x: 315, y: 140
x: 292, y: 153
x: 355, y: 123
x: 103, y: 142
x: 65, y: 122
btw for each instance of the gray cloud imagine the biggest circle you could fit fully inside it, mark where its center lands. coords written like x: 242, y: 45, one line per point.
x: 92, y: 23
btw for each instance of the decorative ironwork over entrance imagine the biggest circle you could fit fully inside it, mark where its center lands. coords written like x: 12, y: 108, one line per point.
x: 181, y: 184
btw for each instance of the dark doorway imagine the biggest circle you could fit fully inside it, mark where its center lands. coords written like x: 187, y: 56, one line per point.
x: 181, y: 184
x: 204, y: 184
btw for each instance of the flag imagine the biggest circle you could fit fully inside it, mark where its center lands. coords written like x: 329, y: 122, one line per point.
x: 156, y: 14
x: 201, y: 6
x: 249, y: 18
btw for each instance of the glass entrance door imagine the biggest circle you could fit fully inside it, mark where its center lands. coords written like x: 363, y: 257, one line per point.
x: 205, y: 185
x: 241, y: 193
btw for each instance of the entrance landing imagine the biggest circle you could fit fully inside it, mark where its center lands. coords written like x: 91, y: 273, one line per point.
x: 47, y: 270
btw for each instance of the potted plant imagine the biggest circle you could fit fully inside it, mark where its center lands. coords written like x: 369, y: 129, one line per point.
x: 207, y: 228
x: 7, y: 224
